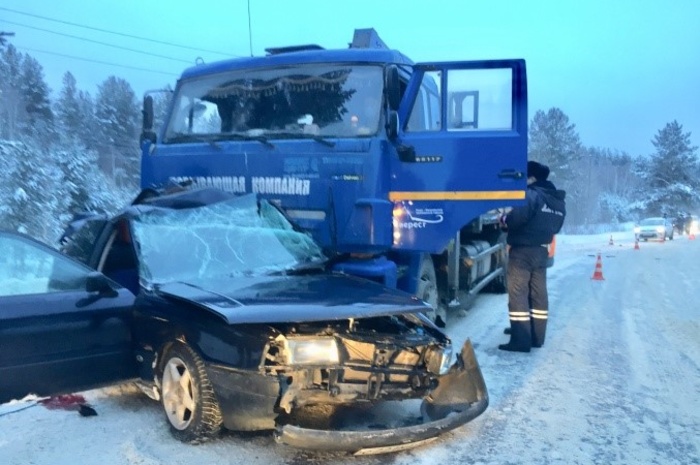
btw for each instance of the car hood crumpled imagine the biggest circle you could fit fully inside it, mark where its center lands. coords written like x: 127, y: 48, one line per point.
x: 284, y: 299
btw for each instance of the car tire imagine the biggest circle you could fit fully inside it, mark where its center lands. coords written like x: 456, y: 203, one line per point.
x: 188, y: 397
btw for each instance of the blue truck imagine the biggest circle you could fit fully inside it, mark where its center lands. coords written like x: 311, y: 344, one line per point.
x: 398, y: 169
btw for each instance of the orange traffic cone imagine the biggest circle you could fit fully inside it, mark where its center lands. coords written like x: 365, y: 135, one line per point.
x: 611, y: 241
x: 636, y: 244
x: 598, y: 273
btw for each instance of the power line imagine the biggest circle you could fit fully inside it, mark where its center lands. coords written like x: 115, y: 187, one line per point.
x: 96, y: 41
x: 118, y: 33
x: 97, y: 61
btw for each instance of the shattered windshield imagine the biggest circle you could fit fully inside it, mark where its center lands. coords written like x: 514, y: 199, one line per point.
x: 238, y: 237
x: 302, y: 101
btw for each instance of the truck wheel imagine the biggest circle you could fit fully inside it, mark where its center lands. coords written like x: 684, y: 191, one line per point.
x: 428, y: 291
x: 500, y: 284
x: 188, y: 397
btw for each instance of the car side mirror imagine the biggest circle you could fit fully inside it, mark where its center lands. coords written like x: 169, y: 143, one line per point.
x: 98, y: 283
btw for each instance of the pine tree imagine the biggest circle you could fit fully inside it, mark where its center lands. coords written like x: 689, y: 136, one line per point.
x: 36, y: 96
x: 554, y: 142
x: 672, y: 179
x: 34, y: 193
x: 117, y: 115
x: 68, y: 107
x: 12, y: 109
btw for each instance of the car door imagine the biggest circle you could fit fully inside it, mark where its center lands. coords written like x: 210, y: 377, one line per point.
x: 461, y: 148
x: 55, y: 336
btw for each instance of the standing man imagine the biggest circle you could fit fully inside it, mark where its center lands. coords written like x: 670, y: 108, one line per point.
x: 530, y: 230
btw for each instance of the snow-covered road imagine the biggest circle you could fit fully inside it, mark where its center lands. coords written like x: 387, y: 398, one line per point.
x: 617, y: 382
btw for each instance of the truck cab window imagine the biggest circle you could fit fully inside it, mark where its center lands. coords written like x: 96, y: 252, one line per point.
x: 480, y: 99
x: 425, y: 115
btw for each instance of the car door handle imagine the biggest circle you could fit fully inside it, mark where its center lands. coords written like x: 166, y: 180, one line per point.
x: 514, y: 174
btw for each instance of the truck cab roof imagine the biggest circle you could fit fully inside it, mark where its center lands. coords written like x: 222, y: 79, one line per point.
x: 303, y: 56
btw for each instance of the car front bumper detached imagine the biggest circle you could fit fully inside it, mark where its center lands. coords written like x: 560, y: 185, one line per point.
x: 460, y: 397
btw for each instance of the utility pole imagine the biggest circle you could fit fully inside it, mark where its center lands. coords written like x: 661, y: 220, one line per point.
x: 3, y: 40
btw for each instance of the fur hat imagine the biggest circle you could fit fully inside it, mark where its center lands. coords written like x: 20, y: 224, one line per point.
x: 537, y: 170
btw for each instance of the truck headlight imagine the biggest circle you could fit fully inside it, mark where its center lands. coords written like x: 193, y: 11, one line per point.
x: 637, y: 229
x: 440, y: 360
x: 312, y: 351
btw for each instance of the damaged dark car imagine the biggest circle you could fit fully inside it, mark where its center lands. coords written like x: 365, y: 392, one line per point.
x: 239, y: 322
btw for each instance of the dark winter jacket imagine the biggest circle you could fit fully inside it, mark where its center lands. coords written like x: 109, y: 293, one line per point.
x: 538, y: 221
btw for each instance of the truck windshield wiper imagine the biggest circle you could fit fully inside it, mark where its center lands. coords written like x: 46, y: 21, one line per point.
x: 183, y: 137
x: 244, y: 136
x: 302, y: 135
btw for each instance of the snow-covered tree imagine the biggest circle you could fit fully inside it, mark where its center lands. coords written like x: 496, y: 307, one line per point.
x: 12, y: 109
x: 118, y: 119
x: 68, y: 111
x: 75, y: 114
x: 670, y: 174
x: 554, y: 141
x: 36, y: 96
x: 33, y: 193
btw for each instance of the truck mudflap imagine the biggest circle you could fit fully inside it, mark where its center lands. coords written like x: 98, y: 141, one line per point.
x: 460, y: 397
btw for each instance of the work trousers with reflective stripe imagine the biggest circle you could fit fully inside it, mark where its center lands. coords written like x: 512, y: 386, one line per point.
x: 528, y: 302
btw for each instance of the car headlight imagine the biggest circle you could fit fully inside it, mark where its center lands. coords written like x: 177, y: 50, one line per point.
x: 439, y: 360
x: 637, y: 229
x: 312, y: 351
x: 660, y: 229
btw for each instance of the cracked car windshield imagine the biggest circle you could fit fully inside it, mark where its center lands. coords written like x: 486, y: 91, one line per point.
x: 232, y: 238
x: 291, y: 102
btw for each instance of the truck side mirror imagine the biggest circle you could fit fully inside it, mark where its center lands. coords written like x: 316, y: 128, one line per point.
x: 392, y: 87
x: 147, y: 133
x: 392, y: 125
x: 147, y: 113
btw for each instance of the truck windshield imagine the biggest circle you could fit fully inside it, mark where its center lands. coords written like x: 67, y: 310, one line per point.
x: 303, y: 101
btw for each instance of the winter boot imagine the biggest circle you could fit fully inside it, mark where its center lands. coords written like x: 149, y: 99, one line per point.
x: 538, y: 320
x: 520, y: 336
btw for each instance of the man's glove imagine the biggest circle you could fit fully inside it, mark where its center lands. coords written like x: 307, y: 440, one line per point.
x: 502, y: 221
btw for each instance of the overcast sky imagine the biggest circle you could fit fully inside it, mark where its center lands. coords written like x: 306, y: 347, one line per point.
x: 619, y: 69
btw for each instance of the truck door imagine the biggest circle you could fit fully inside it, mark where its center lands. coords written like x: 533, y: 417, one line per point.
x: 461, y: 149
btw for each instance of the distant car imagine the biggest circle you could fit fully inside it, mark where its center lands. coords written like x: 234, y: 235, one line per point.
x: 654, y: 228
x: 238, y: 322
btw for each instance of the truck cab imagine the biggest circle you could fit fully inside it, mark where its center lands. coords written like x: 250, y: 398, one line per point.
x: 392, y: 165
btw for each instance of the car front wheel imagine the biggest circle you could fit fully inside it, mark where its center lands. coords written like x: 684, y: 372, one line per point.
x: 188, y: 397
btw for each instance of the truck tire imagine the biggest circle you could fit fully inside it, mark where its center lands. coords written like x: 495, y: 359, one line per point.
x: 500, y: 284
x: 427, y: 290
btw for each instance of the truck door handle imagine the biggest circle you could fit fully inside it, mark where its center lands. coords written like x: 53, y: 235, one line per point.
x: 514, y: 174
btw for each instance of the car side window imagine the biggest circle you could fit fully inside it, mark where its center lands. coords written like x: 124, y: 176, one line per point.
x: 28, y: 268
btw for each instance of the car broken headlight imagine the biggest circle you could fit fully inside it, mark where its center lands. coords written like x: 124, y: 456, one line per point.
x: 312, y: 351
x: 439, y: 360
